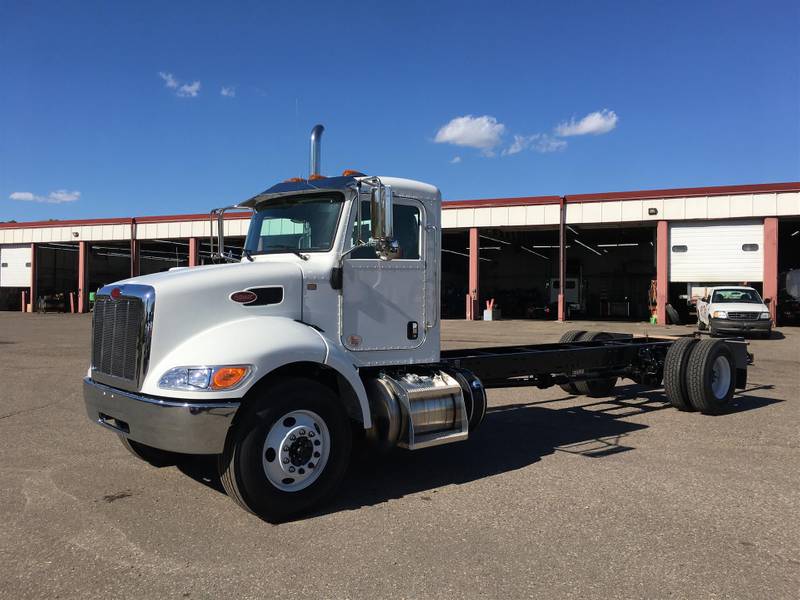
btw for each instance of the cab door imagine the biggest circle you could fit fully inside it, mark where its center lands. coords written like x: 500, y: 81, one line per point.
x: 384, y: 301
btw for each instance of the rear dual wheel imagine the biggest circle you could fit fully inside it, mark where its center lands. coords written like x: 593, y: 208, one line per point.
x: 699, y: 375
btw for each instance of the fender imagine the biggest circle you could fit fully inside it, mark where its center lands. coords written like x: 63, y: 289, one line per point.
x: 267, y: 343
x: 338, y: 359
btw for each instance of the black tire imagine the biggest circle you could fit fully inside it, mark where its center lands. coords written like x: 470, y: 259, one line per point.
x: 153, y: 456
x: 672, y: 315
x: 570, y: 336
x: 596, y: 388
x: 241, y: 466
x: 675, y: 373
x: 701, y: 376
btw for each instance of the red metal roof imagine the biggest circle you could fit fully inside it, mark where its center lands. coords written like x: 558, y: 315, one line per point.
x: 721, y: 190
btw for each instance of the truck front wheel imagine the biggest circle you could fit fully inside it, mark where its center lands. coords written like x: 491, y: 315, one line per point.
x: 288, y: 451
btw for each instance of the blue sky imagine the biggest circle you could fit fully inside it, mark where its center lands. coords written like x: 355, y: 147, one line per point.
x: 101, y: 115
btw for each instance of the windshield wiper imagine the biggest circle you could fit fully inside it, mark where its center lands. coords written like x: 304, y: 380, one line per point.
x: 290, y: 249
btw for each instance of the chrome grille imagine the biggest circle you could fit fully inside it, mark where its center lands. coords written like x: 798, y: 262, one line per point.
x: 116, y: 333
x: 743, y: 316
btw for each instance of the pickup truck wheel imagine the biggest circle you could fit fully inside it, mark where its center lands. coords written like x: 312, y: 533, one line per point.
x: 711, y: 376
x: 596, y: 388
x: 570, y: 336
x: 675, y: 373
x: 153, y: 456
x: 289, y: 450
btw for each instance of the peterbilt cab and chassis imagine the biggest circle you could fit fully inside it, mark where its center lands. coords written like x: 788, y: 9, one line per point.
x: 326, y: 331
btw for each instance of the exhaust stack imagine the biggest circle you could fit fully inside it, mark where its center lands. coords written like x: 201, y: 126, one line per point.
x: 316, y: 136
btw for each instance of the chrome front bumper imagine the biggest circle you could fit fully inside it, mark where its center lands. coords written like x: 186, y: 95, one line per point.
x: 191, y: 428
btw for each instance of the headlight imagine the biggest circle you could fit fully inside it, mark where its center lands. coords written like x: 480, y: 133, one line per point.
x: 205, y: 379
x: 764, y: 315
x: 719, y: 314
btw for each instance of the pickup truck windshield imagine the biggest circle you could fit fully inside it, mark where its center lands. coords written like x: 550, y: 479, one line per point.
x: 296, y: 224
x: 745, y: 296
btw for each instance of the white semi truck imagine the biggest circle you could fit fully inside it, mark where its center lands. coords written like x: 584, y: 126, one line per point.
x: 326, y: 330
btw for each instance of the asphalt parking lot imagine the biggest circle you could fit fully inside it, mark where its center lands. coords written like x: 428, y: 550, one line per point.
x: 554, y: 497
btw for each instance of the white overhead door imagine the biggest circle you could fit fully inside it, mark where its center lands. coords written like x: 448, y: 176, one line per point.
x: 15, y: 265
x: 714, y: 251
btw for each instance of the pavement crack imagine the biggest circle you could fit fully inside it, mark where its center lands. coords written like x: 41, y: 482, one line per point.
x: 26, y: 410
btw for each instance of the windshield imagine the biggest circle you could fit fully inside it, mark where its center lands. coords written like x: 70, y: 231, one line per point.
x: 745, y: 296
x: 296, y: 224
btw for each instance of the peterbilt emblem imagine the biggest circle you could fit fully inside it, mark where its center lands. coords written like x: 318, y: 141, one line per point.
x: 243, y: 297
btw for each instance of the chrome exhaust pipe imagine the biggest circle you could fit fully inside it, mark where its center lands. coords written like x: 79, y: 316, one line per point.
x: 316, y: 136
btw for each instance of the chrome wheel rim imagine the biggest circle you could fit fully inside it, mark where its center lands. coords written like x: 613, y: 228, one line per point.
x: 720, y: 377
x: 296, y: 450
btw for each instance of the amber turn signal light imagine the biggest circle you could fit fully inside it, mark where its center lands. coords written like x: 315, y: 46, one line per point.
x: 227, y: 377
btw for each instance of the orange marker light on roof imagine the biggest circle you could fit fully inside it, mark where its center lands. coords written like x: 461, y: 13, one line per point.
x: 352, y: 173
x: 293, y: 180
x: 316, y: 176
x: 227, y: 377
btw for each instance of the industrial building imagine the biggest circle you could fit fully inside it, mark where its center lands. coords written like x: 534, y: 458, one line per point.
x: 621, y: 255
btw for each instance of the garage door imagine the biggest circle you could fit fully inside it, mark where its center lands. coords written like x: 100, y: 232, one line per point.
x: 15, y: 266
x: 717, y: 252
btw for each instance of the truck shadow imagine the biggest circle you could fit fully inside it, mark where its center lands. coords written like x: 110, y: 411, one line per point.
x: 512, y: 437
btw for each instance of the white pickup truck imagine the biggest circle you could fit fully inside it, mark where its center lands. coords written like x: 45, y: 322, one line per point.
x: 736, y: 309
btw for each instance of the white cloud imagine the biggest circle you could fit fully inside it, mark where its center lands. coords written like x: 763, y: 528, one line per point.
x: 169, y: 80
x: 538, y: 142
x: 183, y: 90
x: 189, y: 90
x: 594, y: 123
x: 455, y: 160
x: 56, y: 197
x: 228, y: 92
x: 482, y: 132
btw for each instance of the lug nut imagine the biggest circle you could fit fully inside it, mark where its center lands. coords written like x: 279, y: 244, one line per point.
x: 310, y: 434
x: 302, y: 432
x: 316, y: 454
x: 310, y: 465
x: 286, y: 448
x: 286, y: 460
x: 293, y: 437
x: 291, y: 469
x: 316, y: 442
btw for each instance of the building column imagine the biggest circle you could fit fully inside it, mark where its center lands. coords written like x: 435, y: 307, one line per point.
x: 473, y: 295
x: 562, y: 258
x: 34, y: 277
x: 770, y: 287
x: 662, y: 271
x: 83, y: 277
x: 134, y: 250
x: 193, y: 252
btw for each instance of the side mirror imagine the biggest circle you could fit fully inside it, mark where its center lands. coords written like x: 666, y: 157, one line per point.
x: 381, y: 223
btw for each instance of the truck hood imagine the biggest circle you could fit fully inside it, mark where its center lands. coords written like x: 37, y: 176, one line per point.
x: 737, y: 307
x: 191, y: 300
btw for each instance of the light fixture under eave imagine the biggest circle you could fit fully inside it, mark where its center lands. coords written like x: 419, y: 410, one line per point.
x: 795, y: 233
x: 486, y: 237
x: 534, y: 252
x: 625, y: 245
x: 464, y: 254
x: 572, y: 230
x: 588, y: 247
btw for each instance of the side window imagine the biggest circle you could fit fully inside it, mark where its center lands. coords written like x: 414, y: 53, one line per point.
x: 407, y: 232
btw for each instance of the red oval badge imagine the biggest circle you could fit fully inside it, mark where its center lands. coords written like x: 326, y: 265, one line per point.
x: 116, y: 293
x: 243, y: 297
